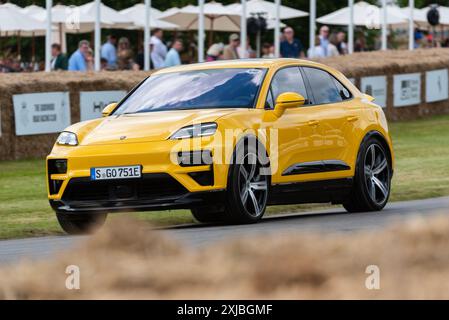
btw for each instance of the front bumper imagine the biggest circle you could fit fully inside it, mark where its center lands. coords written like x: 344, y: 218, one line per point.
x: 187, y: 200
x: 164, y: 185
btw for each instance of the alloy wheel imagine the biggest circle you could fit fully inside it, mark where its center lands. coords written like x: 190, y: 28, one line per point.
x: 377, y: 174
x: 253, y: 185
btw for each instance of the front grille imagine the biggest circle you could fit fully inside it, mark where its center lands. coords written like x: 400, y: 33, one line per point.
x: 150, y: 186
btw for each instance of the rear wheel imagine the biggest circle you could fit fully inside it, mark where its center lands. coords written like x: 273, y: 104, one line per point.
x: 248, y: 183
x: 81, y: 223
x: 372, y: 184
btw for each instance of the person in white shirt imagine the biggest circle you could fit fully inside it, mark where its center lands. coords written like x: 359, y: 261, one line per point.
x: 317, y: 51
x: 244, y: 53
x: 332, y: 50
x: 159, y: 51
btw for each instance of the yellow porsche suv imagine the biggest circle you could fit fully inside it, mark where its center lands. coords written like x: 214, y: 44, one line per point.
x: 225, y: 140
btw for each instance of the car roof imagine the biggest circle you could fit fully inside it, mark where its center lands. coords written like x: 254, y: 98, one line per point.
x: 241, y: 63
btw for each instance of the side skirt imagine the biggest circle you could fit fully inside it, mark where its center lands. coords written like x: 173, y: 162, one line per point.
x: 326, y: 191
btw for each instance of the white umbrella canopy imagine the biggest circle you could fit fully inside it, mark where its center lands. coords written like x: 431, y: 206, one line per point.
x: 12, y: 21
x: 11, y: 6
x: 110, y: 18
x: 32, y: 10
x: 136, y: 14
x: 267, y: 9
x: 67, y: 18
x: 59, y: 14
x: 168, y: 12
x: 72, y: 19
x: 216, y: 17
x: 365, y: 15
x: 271, y: 24
x: 419, y: 16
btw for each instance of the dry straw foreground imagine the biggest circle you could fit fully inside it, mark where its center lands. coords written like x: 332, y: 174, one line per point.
x: 128, y: 261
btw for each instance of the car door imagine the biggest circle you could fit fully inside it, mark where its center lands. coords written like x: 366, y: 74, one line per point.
x: 336, y: 118
x: 297, y: 134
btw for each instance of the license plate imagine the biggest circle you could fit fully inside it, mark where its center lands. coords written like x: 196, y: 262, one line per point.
x: 110, y: 173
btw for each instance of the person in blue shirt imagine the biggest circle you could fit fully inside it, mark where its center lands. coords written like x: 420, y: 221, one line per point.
x: 324, y: 40
x: 109, y: 52
x: 291, y: 47
x: 77, y: 61
x: 173, y: 58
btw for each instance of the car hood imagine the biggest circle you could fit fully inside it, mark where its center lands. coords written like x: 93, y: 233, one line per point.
x: 143, y: 127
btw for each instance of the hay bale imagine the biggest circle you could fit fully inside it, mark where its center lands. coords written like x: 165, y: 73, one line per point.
x: 32, y: 146
x: 394, y: 62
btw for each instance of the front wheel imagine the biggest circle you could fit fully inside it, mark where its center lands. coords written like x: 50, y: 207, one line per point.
x: 81, y: 223
x: 248, y: 183
x: 372, y: 181
x: 208, y: 214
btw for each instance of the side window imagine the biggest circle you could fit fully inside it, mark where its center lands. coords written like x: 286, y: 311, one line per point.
x: 270, y: 102
x: 287, y: 80
x: 345, y: 94
x: 323, y: 87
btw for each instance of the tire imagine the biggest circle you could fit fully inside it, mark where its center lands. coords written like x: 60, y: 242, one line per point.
x: 81, y: 223
x: 208, y: 214
x: 248, y: 187
x: 372, y: 180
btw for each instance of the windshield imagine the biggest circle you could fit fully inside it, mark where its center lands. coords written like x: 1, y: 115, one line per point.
x: 200, y: 89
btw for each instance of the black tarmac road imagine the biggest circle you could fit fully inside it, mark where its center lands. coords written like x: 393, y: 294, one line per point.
x: 332, y: 220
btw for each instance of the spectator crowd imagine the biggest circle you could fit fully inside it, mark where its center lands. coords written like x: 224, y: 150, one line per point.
x: 117, y: 54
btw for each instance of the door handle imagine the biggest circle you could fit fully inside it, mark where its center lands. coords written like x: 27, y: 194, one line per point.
x: 313, y: 123
x: 353, y: 118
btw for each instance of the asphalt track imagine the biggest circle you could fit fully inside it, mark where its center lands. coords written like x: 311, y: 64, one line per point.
x: 194, y: 236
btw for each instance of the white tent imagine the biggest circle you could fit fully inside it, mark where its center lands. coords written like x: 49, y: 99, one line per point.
x: 12, y: 21
x: 136, y: 14
x: 81, y: 19
x: 365, y: 15
x: 33, y: 10
x: 67, y: 18
x: 419, y: 16
x: 216, y: 17
x: 110, y: 18
x: 267, y: 10
x: 10, y: 5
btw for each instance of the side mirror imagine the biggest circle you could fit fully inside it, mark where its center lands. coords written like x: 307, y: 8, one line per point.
x: 108, y: 110
x: 288, y: 100
x: 368, y: 97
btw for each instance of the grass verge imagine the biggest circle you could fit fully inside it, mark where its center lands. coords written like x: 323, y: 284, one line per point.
x: 422, y: 158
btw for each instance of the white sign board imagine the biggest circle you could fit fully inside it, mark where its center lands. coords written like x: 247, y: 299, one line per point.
x: 40, y: 113
x: 92, y: 103
x: 437, y: 85
x: 377, y: 88
x: 407, y: 89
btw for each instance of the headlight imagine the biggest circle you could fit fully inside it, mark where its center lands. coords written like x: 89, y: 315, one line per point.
x: 67, y: 139
x: 196, y: 130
